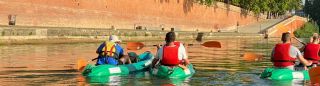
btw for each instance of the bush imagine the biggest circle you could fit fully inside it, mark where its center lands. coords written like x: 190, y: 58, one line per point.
x: 306, y: 31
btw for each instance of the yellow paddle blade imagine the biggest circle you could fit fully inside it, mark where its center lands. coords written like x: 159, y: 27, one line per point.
x: 134, y: 45
x: 215, y: 44
x: 81, y: 63
x: 314, y: 74
x: 250, y: 56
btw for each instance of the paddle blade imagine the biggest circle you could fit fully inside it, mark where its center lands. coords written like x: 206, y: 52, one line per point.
x: 81, y: 63
x: 249, y: 56
x: 134, y: 45
x: 314, y: 74
x: 210, y: 44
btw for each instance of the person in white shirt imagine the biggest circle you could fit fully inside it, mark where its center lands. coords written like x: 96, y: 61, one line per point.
x: 173, y: 53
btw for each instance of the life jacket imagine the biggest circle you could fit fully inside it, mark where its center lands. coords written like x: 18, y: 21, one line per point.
x: 311, y: 52
x: 170, y: 55
x: 281, y: 57
x: 110, y: 49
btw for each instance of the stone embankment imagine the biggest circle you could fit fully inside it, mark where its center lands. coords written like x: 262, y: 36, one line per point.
x: 26, y: 34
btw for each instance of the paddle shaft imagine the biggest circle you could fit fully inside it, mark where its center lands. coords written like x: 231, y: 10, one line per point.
x: 300, y: 41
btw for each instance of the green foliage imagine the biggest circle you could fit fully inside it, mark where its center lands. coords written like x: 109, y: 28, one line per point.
x: 206, y: 2
x: 261, y: 6
x: 312, y: 8
x: 306, y: 31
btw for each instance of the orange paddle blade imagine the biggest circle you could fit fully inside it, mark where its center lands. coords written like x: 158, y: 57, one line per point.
x: 314, y: 74
x: 134, y: 45
x: 249, y: 56
x: 81, y: 64
x: 215, y: 44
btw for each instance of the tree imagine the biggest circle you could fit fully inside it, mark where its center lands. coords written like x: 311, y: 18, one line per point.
x: 271, y: 7
x: 312, y: 8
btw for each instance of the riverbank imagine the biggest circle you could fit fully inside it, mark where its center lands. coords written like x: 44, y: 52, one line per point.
x: 44, y: 35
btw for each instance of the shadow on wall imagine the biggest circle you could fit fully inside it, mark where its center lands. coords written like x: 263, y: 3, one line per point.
x: 187, y: 6
x: 227, y: 6
x: 244, y: 13
x: 166, y: 1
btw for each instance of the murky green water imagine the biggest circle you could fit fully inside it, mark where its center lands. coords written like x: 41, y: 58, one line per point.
x: 54, y: 64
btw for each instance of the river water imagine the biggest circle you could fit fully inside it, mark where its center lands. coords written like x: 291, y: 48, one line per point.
x: 55, y: 64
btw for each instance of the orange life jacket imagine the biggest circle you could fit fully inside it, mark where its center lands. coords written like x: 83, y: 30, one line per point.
x: 110, y: 49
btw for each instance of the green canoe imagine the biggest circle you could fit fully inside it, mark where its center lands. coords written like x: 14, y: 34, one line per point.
x: 284, y: 74
x: 175, y: 72
x: 145, y: 60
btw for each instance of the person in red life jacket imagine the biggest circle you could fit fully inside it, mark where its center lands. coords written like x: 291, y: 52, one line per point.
x: 313, y: 35
x: 173, y: 53
x: 284, y: 54
x: 311, y: 51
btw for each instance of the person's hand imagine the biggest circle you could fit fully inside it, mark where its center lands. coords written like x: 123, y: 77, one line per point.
x: 158, y: 46
x: 309, y: 62
x: 183, y: 67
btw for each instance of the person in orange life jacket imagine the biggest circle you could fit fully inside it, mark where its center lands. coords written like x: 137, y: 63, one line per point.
x: 110, y: 51
x: 311, y: 51
x: 172, y: 53
x: 284, y: 54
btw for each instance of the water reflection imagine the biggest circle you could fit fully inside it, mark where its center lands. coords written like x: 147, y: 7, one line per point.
x: 54, y: 64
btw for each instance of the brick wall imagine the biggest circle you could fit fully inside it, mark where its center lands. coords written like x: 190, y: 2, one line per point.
x: 123, y: 14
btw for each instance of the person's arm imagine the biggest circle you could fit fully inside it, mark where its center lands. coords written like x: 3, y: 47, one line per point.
x: 156, y: 59
x: 304, y: 61
x: 100, y: 48
x: 184, y: 54
x: 183, y: 66
x: 301, y: 58
x: 272, y: 53
x: 121, y: 51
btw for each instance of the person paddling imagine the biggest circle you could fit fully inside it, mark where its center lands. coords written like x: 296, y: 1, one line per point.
x: 284, y: 54
x: 110, y: 51
x: 311, y: 51
x: 172, y: 53
x: 311, y: 38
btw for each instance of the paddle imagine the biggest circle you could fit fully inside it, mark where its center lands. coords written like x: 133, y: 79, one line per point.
x: 135, y: 45
x: 300, y: 41
x: 139, y: 45
x: 314, y: 74
x: 250, y: 56
x: 81, y: 64
x: 210, y: 44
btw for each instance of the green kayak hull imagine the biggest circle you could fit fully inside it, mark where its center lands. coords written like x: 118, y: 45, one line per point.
x: 284, y: 74
x: 145, y: 60
x: 175, y: 72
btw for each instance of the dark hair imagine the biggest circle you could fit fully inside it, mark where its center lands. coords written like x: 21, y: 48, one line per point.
x: 315, y: 38
x: 170, y: 37
x: 285, y: 37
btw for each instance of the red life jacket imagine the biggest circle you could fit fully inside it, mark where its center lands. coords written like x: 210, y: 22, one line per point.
x: 311, y: 52
x: 170, y: 55
x: 281, y: 57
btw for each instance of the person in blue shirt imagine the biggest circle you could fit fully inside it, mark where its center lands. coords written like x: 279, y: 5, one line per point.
x: 110, y: 51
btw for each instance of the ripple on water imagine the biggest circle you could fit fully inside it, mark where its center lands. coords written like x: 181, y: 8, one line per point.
x: 54, y: 64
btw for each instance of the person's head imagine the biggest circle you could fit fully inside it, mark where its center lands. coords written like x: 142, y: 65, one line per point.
x: 170, y: 37
x: 315, y: 39
x: 114, y: 38
x: 285, y: 38
x: 315, y: 34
